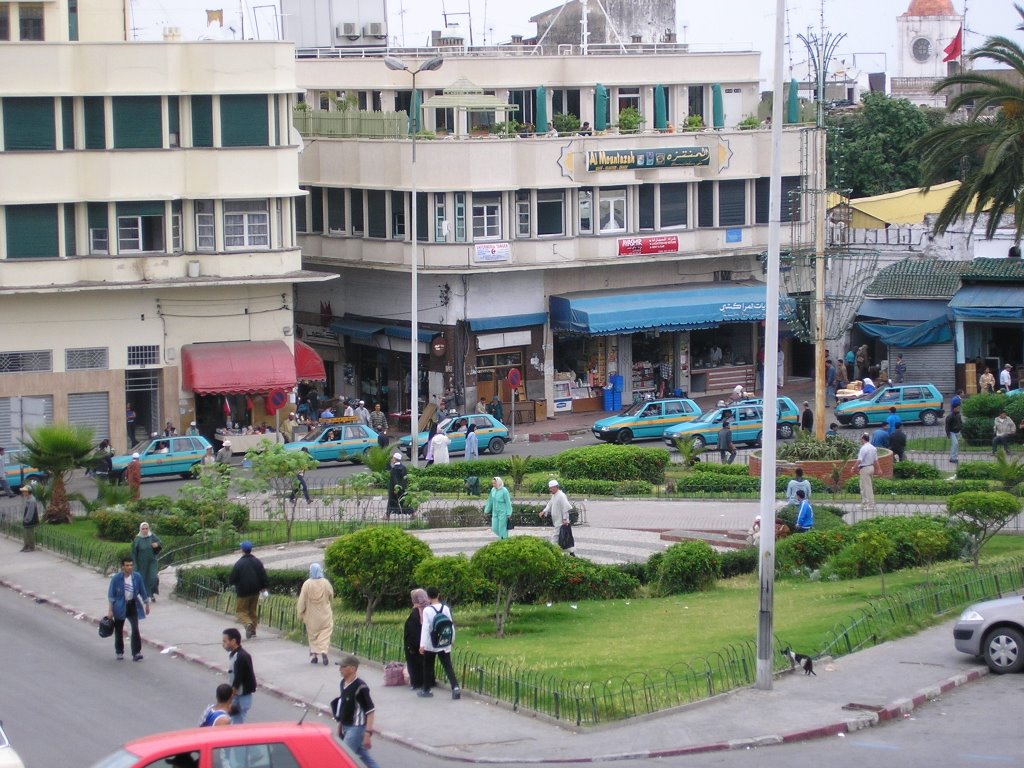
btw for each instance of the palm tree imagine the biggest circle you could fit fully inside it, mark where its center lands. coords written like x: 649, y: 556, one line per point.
x: 989, y: 147
x: 58, y: 449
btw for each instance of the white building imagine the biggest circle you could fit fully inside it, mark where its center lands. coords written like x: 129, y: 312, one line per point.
x: 570, y: 258
x: 146, y: 213
x: 923, y: 33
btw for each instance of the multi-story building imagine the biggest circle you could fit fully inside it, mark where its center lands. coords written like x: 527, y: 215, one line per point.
x: 570, y: 257
x: 147, y: 249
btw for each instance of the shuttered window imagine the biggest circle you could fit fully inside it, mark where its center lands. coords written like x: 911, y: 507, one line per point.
x: 137, y: 122
x: 316, y: 204
x: 90, y: 409
x: 335, y: 210
x: 29, y: 124
x: 202, y: 121
x: 300, y: 212
x: 244, y: 121
x: 355, y: 201
x: 70, y: 235
x: 174, y: 121
x: 673, y: 205
x: 791, y: 207
x: 647, y: 206
x: 705, y: 204
x: 31, y: 231
x: 95, y: 123
x: 67, y: 115
x: 732, y: 203
x: 377, y: 218
x: 99, y: 236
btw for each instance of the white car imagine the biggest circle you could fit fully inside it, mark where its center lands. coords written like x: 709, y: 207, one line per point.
x: 8, y: 757
x: 994, y: 631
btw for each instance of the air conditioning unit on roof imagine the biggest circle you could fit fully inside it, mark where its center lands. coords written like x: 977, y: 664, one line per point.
x: 348, y: 29
x: 376, y: 29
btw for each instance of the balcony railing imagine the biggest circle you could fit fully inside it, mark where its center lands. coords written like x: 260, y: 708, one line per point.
x: 493, y: 51
x: 351, y: 123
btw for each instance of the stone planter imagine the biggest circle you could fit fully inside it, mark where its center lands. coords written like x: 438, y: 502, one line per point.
x: 822, y: 470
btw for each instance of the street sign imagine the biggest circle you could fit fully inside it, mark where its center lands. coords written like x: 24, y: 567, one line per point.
x: 514, y: 378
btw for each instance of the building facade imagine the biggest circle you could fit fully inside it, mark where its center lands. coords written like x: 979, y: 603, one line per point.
x: 571, y: 258
x: 146, y: 210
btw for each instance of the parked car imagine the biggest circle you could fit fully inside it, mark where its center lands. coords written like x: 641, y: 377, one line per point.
x: 22, y: 473
x: 304, y: 745
x: 645, y: 420
x: 491, y: 434
x: 8, y: 757
x: 336, y: 440
x: 993, y: 630
x: 163, y: 456
x: 746, y: 420
x: 787, y: 415
x: 913, y: 402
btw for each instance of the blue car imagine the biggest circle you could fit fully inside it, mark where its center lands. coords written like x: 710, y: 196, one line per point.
x: 17, y: 474
x: 161, y: 456
x: 746, y: 419
x: 913, y: 402
x: 338, y: 439
x: 645, y: 420
x: 491, y: 434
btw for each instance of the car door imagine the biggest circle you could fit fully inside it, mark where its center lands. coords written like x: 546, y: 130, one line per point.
x: 355, y: 440
x: 649, y: 422
x: 909, y: 406
x: 155, y: 459
x: 327, y: 445
x: 457, y: 435
x: 747, y: 424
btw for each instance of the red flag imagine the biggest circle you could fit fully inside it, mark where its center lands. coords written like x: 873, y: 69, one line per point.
x: 227, y: 408
x: 248, y: 403
x: 956, y: 46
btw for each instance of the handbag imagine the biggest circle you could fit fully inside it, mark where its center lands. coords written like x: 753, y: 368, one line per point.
x: 106, y: 628
x: 565, y: 537
x: 510, y: 523
x: 394, y: 673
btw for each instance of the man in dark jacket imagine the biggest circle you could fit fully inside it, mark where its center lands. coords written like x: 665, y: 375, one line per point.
x: 29, y: 518
x: 240, y: 673
x: 396, y: 485
x: 249, y: 578
x: 954, y: 425
x: 807, y: 418
x: 725, y: 445
x: 898, y: 443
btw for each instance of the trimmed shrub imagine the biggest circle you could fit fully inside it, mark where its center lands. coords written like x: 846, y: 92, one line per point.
x: 826, y: 518
x: 977, y: 470
x: 436, y: 484
x: 455, y: 578
x: 188, y: 517
x: 590, y: 487
x: 482, y: 468
x: 579, y: 579
x: 809, y: 550
x: 117, y: 524
x: 638, y: 571
x: 900, y: 531
x: 885, y: 487
x: 461, y: 516
x: 690, y: 566
x: 279, y: 581
x: 613, y: 462
x: 737, y: 562
x: 915, y: 470
x: 712, y: 482
x: 155, y: 505
x: 720, y: 469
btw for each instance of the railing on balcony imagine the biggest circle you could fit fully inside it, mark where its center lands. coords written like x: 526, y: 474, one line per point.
x: 555, y: 49
x: 351, y: 123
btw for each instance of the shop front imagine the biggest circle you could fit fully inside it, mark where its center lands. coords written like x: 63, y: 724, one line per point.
x: 503, y: 345
x: 989, y: 332
x: 697, y: 340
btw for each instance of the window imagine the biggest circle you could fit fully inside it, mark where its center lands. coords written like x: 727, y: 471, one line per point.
x: 695, y: 100
x: 29, y: 124
x: 244, y: 120
x: 98, y: 228
x: 586, y: 211
x: 732, y: 203
x: 176, y: 241
x: 791, y: 208
x: 922, y: 49
x: 646, y: 194
x: 70, y: 230
x: 32, y: 231
x: 629, y: 97
x: 67, y: 116
x: 172, y: 761
x: 705, y: 203
x: 138, y: 122
x: 486, y: 216
x: 202, y: 121
x: 206, y: 236
x: 335, y: 211
x: 550, y: 212
x: 264, y: 755
x: 422, y: 217
x: 5, y: 22
x: 440, y: 223
x: 565, y: 101
x: 460, y: 217
x: 95, y: 123
x: 140, y: 227
x: 376, y: 213
x: 316, y: 210
x: 523, y: 213
x: 301, y: 219
x: 37, y: 361
x: 246, y: 224
x: 673, y: 205
x: 612, y: 209
x: 398, y: 215
x: 30, y: 22
x: 173, y: 121
x: 73, y: 20
x: 355, y: 200
x: 146, y: 354
x: 86, y: 359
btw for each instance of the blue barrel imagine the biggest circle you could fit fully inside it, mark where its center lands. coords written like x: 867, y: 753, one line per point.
x: 617, y: 400
x: 609, y: 400
x: 617, y: 383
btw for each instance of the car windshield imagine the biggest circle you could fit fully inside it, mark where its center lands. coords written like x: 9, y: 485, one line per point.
x: 634, y: 409
x: 444, y: 424
x: 120, y: 759
x: 141, y: 446
x: 709, y: 418
x: 317, y: 433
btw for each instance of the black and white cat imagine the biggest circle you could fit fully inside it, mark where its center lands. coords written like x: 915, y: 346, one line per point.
x: 799, y: 660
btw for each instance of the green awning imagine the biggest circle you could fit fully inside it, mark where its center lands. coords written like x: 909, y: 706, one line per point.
x: 600, y: 108
x: 660, y: 119
x: 541, y: 114
x: 717, y: 106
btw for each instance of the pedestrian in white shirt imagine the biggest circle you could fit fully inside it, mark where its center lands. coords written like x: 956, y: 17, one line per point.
x: 1005, y: 379
x: 867, y: 466
x: 558, y: 509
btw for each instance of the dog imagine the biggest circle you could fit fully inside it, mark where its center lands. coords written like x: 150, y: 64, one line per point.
x: 799, y: 660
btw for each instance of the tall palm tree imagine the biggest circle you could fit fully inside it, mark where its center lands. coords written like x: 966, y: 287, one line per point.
x: 989, y: 144
x: 58, y: 449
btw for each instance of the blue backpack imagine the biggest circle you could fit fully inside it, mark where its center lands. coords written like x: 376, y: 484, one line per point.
x: 442, y: 628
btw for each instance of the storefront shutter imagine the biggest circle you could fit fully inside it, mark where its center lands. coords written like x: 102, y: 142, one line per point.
x: 32, y: 231
x: 732, y: 203
x: 932, y: 364
x: 95, y: 124
x: 202, y: 121
x: 244, y: 120
x: 91, y: 409
x: 137, y: 122
x: 29, y: 124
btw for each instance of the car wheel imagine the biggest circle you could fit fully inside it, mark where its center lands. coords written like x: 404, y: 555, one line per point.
x: 929, y: 419
x: 1004, y: 650
x: 699, y: 443
x: 785, y: 431
x: 859, y: 420
x: 757, y: 441
x: 497, y: 445
x: 624, y: 437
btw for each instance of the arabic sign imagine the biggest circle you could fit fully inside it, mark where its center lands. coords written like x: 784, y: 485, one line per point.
x: 493, y: 252
x: 660, y: 157
x: 645, y: 246
x: 743, y: 310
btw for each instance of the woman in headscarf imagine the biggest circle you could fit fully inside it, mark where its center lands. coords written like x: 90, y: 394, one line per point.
x: 472, y: 443
x: 413, y: 627
x: 499, y: 507
x: 145, y: 548
x: 314, y: 608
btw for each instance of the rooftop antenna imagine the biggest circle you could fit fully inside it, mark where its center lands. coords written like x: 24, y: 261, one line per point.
x: 468, y: 12
x: 401, y: 19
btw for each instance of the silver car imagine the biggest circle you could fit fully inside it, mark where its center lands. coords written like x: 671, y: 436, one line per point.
x: 993, y: 630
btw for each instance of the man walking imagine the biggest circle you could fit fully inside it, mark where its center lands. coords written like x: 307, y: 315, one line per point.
x: 1005, y: 379
x: 219, y: 713
x: 794, y: 486
x: 807, y: 418
x: 558, y: 509
x: 29, y: 518
x: 725, y: 445
x: 362, y: 415
x: 249, y: 578
x: 899, y: 370
x: 224, y: 454
x: 1004, y: 429
x: 435, y: 644
x: 379, y: 424
x: 867, y: 466
x: 127, y: 600
x: 954, y: 424
x: 240, y: 674
x: 353, y: 709
x: 396, y: 485
x: 4, y: 485
x: 830, y: 383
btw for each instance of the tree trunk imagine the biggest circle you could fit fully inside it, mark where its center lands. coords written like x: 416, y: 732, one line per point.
x: 506, y: 610
x: 58, y: 510
x: 371, y: 606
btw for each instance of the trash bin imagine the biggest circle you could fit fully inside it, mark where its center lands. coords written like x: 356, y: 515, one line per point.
x: 472, y: 485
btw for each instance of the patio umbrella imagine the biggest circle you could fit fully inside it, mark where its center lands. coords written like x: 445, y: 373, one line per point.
x: 660, y: 121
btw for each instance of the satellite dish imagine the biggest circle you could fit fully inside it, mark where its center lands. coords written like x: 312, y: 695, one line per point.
x: 295, y: 139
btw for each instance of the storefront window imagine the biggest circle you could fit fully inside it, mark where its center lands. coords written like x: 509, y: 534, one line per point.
x: 586, y: 211
x: 550, y: 212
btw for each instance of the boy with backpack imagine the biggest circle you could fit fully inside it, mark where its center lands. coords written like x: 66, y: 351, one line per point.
x: 436, y: 638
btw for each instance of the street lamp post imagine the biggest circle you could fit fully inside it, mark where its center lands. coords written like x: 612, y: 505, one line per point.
x: 414, y: 368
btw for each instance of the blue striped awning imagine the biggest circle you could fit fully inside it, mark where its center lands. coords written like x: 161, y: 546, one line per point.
x: 357, y: 329
x: 507, y: 321
x: 988, y: 302
x: 405, y: 332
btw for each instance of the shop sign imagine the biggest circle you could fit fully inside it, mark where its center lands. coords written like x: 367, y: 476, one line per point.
x: 438, y: 346
x: 646, y: 246
x: 493, y: 252
x: 660, y: 157
x: 315, y: 333
x: 739, y: 310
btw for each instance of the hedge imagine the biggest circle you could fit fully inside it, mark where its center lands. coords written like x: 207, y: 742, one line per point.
x: 719, y: 469
x: 613, y: 462
x: 481, y: 468
x: 690, y: 566
x: 711, y: 482
x: 977, y: 470
x: 885, y: 487
x: 590, y: 487
x: 736, y: 562
x: 580, y: 579
x: 284, y: 581
x: 810, y: 549
x: 915, y: 470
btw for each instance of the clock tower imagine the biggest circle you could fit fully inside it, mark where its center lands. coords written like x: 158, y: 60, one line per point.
x: 927, y: 27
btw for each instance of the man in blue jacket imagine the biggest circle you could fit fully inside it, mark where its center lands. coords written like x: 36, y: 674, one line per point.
x: 805, y: 517
x: 127, y: 599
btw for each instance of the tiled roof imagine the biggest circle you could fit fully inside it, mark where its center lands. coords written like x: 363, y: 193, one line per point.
x: 1000, y: 270
x: 916, y: 278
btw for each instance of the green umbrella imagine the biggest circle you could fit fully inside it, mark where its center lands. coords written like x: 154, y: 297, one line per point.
x: 541, y: 112
x: 717, y: 108
x: 600, y: 108
x: 414, y: 118
x: 793, y: 103
x: 660, y: 121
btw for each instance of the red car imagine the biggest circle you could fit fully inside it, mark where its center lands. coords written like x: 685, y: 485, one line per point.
x: 269, y: 745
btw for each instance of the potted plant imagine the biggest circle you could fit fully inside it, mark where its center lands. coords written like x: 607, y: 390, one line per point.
x: 630, y: 120
x: 565, y: 123
x: 693, y: 123
x: 749, y: 123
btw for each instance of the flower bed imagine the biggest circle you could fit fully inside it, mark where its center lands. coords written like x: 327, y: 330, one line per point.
x: 822, y: 470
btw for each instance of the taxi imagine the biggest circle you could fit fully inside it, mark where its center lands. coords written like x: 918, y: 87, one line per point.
x: 645, y: 420
x: 339, y: 439
x: 787, y: 415
x: 913, y: 402
x: 746, y: 420
x: 17, y: 474
x: 158, y: 456
x: 491, y: 434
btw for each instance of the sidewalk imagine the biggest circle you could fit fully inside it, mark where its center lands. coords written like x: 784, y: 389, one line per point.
x: 854, y: 692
